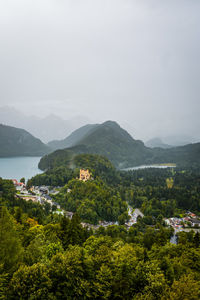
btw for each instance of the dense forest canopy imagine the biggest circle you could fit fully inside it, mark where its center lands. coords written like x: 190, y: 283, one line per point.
x: 53, y: 257
x: 167, y: 192
x: 45, y: 255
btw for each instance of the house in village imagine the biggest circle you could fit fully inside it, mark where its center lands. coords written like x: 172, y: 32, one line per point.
x: 18, y: 185
x: 195, y: 222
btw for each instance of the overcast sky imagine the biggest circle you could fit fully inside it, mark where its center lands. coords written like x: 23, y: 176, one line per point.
x: 136, y: 62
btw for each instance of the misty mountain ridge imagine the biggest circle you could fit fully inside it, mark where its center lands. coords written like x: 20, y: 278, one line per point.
x: 157, y: 143
x: 47, y: 129
x: 179, y: 140
x: 18, y: 142
x: 78, y: 136
x: 115, y: 143
x: 107, y: 139
x: 74, y: 138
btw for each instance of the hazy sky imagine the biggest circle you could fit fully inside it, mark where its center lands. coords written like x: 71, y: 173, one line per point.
x: 136, y: 62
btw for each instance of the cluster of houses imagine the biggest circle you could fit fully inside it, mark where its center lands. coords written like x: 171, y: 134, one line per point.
x: 189, y: 220
x: 42, y: 194
x: 18, y: 185
x: 39, y: 194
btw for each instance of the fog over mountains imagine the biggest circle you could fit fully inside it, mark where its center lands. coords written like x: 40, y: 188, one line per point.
x: 48, y: 128
x: 115, y: 143
x: 107, y: 139
x: 55, y: 129
x: 135, y: 62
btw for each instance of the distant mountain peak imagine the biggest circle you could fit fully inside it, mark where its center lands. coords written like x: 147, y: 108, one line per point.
x: 157, y: 143
x: 111, y: 123
x: 46, y: 128
x: 107, y: 139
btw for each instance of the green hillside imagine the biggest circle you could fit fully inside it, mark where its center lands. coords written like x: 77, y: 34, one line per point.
x: 107, y: 139
x: 110, y: 140
x: 184, y: 156
x: 18, y: 142
x: 113, y: 142
x: 60, y: 171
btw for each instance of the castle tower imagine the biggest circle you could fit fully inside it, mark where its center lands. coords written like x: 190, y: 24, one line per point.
x: 84, y: 175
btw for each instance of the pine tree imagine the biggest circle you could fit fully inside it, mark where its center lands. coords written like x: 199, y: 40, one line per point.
x: 10, y: 247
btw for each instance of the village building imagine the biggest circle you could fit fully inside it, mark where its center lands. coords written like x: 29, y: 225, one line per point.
x: 195, y: 222
x: 84, y: 175
x: 18, y: 185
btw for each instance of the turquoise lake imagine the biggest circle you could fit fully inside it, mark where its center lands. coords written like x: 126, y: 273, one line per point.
x: 18, y: 167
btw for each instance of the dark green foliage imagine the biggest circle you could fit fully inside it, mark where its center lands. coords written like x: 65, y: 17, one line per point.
x: 71, y: 231
x: 183, y: 156
x: 54, y: 177
x: 98, y: 165
x: 92, y: 200
x: 7, y: 191
x: 30, y: 282
x: 18, y: 142
x: 56, y: 159
x: 22, y: 180
x: 64, y: 168
x: 10, y: 245
x: 147, y: 190
x: 66, y: 261
x: 61, y: 259
x: 106, y: 268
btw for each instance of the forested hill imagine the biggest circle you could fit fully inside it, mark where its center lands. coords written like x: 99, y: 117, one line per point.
x: 107, y: 139
x: 18, y: 142
x: 184, y: 156
x: 110, y: 140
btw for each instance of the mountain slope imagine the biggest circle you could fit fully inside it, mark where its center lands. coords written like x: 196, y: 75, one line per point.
x: 74, y: 138
x: 107, y: 139
x: 110, y: 140
x: 18, y: 142
x: 188, y: 155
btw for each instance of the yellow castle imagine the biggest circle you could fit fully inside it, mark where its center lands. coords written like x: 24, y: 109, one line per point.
x: 84, y: 175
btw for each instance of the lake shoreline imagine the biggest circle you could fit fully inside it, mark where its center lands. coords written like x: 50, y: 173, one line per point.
x: 158, y: 166
x: 19, y: 166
